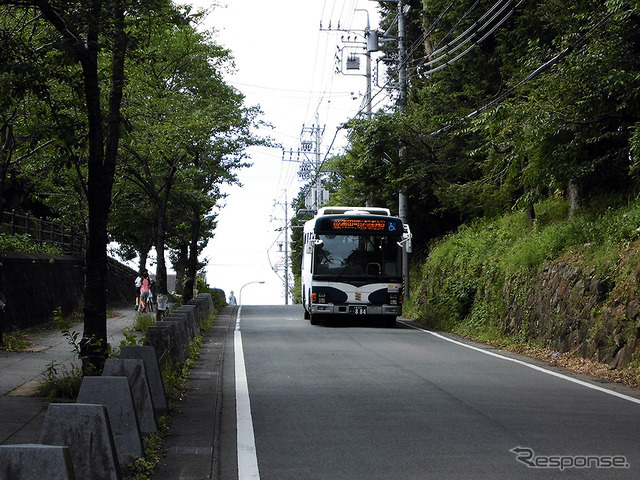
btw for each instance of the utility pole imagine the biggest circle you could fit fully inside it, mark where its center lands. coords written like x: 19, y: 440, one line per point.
x: 403, y: 208
x: 403, y: 201
x: 284, y: 248
x: 309, y: 156
x: 358, y: 42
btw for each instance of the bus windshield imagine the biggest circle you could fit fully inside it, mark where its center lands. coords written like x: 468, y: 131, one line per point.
x: 358, y: 255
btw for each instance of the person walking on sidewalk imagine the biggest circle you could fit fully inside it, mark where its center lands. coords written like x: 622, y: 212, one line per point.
x: 144, y: 292
x: 232, y: 298
x: 137, y: 283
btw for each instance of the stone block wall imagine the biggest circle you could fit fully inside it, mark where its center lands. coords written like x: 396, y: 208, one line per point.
x: 32, y: 286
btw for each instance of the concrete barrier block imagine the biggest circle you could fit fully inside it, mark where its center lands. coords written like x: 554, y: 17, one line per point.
x: 183, y: 318
x: 192, y: 317
x: 115, y: 394
x: 182, y: 337
x: 163, y: 340
x: 36, y: 462
x: 136, y: 374
x: 201, y: 307
x: 209, y: 299
x: 85, y: 429
x: 147, y: 354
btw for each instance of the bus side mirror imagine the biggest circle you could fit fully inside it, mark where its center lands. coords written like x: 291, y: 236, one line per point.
x: 314, y: 242
x: 406, y: 239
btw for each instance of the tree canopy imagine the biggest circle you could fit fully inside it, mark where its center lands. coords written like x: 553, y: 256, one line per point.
x: 115, y: 118
x: 508, y: 102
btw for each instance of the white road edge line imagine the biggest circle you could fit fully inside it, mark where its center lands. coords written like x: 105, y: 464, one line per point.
x: 246, y: 443
x: 529, y: 365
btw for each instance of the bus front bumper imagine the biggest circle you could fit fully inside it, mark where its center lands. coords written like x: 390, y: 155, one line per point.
x: 355, y: 309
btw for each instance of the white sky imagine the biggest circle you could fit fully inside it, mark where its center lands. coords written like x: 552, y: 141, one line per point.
x: 286, y: 65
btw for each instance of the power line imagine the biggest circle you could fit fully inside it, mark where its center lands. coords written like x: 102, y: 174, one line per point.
x: 467, y: 36
x: 535, y: 73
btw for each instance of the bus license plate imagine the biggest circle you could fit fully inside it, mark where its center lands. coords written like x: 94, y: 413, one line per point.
x: 357, y: 310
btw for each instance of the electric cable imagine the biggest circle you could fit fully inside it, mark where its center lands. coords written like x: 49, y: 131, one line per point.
x: 535, y: 73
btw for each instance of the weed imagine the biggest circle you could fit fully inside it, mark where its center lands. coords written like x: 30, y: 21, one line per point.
x: 16, y: 341
x: 61, y: 382
x: 143, y: 321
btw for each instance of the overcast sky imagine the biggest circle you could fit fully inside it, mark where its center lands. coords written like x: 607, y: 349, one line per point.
x: 285, y: 64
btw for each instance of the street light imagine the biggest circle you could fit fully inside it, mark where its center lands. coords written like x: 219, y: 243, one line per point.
x: 240, y: 294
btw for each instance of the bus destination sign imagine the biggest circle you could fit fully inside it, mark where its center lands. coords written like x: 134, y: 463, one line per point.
x: 360, y: 224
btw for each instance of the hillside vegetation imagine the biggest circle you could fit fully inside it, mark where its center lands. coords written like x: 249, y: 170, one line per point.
x: 566, y: 284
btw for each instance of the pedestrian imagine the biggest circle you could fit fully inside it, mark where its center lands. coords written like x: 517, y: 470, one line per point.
x: 152, y: 288
x: 232, y: 298
x: 144, y: 292
x: 137, y: 283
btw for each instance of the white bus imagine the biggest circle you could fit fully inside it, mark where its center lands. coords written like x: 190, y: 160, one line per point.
x: 352, y: 264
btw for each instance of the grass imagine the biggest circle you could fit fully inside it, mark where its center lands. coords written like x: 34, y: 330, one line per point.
x: 174, y: 379
x: 16, y: 341
x: 63, y: 383
x: 460, y: 287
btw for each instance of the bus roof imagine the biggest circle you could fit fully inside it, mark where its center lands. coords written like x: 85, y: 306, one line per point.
x: 354, y: 211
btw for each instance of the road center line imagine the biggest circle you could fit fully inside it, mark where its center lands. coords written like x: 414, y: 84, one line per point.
x: 246, y: 444
x: 529, y: 365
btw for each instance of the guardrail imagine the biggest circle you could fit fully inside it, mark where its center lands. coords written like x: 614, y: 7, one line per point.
x: 44, y: 231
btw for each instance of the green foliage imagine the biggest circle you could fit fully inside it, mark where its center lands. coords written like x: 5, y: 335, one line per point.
x: 23, y: 243
x: 15, y: 341
x: 570, y: 74
x: 142, y: 322
x: 142, y: 468
x: 61, y: 382
x: 460, y: 285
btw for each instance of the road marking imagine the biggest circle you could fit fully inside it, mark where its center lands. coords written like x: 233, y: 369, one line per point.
x: 529, y: 365
x: 246, y: 444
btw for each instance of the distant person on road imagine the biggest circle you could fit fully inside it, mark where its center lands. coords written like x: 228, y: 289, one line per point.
x: 144, y: 292
x: 232, y: 299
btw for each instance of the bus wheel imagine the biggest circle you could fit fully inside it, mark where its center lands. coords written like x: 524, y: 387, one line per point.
x: 390, y: 322
x: 314, y: 319
x: 307, y: 315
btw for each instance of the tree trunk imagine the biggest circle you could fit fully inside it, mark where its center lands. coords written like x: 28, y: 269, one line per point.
x: 575, y: 196
x: 102, y: 160
x: 192, y: 262
x: 530, y: 212
x: 161, y: 265
x: 142, y: 264
x: 6, y: 149
x: 180, y: 267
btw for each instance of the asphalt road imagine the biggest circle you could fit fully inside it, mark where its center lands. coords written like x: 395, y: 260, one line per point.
x: 360, y: 401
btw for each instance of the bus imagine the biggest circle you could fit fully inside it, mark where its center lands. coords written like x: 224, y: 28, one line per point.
x: 352, y: 264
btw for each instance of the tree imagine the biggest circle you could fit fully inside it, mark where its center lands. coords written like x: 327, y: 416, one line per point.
x: 504, y: 110
x: 100, y: 20
x: 95, y: 36
x: 189, y: 131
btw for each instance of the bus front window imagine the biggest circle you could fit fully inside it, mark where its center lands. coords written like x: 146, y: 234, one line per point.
x: 358, y: 255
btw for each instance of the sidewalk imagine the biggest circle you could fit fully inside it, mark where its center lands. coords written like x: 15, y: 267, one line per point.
x: 20, y: 372
x: 190, y: 446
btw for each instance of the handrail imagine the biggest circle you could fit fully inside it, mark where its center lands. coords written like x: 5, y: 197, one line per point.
x: 44, y: 231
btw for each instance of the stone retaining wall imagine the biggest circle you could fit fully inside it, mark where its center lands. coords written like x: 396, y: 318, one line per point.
x: 572, y: 310
x: 33, y: 285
